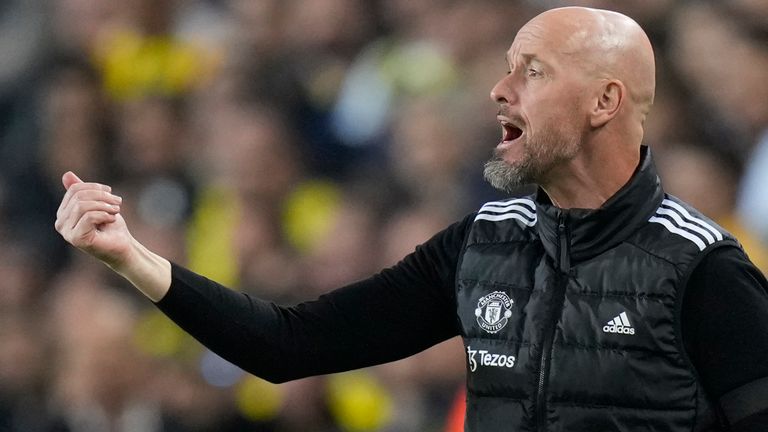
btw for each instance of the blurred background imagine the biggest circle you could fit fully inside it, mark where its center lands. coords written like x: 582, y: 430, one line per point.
x: 268, y: 144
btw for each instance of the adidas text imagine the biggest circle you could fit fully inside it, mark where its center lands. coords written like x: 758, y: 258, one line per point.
x: 618, y: 329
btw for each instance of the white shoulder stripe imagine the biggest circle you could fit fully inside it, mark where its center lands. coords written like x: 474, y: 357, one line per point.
x: 675, y: 230
x: 506, y: 216
x: 520, y: 209
x: 718, y: 235
x: 523, y: 201
x: 683, y: 224
x: 515, y: 207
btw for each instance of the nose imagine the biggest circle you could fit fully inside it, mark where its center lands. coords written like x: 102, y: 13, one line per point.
x: 502, y: 92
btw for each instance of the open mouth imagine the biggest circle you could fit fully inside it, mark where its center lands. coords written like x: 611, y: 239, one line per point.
x: 510, y: 132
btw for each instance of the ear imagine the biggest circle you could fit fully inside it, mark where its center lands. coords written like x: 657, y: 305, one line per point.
x: 609, y: 99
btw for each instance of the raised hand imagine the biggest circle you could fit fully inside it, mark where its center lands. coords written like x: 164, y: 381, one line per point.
x: 89, y: 219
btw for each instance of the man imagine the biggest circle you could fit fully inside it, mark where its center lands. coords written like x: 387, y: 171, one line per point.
x: 599, y: 304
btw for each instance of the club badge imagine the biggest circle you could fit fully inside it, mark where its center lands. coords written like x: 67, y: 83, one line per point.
x: 493, y: 311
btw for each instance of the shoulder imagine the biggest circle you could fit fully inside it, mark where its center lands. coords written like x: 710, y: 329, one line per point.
x: 728, y: 274
x: 506, y: 220
x: 522, y: 210
x: 681, y: 234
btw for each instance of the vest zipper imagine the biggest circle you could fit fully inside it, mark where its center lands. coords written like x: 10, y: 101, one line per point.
x: 564, y: 264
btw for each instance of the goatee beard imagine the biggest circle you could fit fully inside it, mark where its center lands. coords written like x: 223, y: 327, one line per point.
x: 540, y: 157
x: 505, y: 177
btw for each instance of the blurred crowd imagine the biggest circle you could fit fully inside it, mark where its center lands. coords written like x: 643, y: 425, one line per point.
x: 286, y: 148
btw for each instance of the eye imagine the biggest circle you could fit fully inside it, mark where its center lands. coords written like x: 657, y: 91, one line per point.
x: 533, y: 73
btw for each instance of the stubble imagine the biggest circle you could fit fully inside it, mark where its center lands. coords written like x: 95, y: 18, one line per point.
x: 542, y: 153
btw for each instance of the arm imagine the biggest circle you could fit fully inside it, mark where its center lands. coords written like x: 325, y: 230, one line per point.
x: 373, y: 321
x: 725, y: 331
x: 396, y: 313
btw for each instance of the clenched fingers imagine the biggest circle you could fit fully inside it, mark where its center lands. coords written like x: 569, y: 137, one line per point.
x: 81, y: 234
x: 68, y: 217
x: 73, y: 198
x: 75, y: 191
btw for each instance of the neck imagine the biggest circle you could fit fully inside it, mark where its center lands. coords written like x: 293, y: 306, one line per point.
x: 590, y: 179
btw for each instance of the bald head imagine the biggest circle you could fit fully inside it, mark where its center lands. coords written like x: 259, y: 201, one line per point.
x: 602, y: 44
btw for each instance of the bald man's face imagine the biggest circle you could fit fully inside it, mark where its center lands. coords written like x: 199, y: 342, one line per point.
x: 542, y: 107
x: 572, y: 70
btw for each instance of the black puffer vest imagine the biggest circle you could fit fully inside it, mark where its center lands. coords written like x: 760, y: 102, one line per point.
x: 571, y: 319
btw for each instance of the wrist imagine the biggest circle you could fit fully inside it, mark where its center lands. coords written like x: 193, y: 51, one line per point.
x: 124, y: 262
x: 147, y: 271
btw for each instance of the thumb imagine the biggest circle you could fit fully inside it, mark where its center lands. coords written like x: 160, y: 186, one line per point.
x: 69, y: 178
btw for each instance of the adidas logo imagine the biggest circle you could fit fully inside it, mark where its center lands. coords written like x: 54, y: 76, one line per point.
x: 620, y: 324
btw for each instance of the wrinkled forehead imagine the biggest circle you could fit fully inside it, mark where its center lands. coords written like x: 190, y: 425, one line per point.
x: 549, y: 39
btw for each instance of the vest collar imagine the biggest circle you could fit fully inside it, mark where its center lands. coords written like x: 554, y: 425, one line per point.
x: 593, y: 231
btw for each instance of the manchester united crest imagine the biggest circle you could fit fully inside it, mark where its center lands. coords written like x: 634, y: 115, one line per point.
x: 493, y: 311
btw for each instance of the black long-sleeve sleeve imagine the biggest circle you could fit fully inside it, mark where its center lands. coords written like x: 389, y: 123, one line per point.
x: 725, y: 332
x: 396, y: 313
